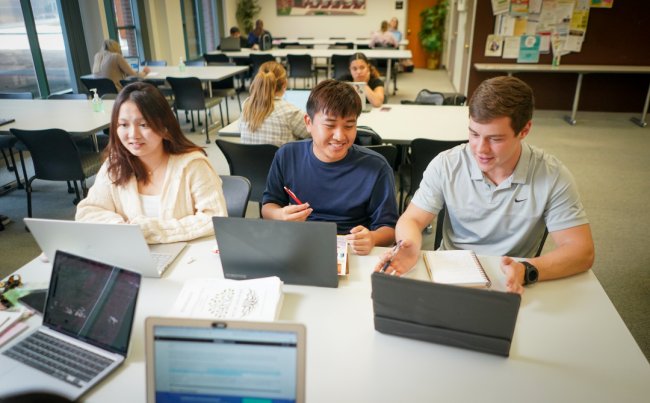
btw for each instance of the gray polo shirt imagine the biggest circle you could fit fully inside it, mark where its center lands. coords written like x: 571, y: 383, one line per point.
x: 500, y: 220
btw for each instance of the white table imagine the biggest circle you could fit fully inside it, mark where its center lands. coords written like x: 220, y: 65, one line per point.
x: 388, y: 54
x: 581, y: 70
x: 404, y: 123
x: 313, y: 42
x: 207, y: 73
x: 569, y: 344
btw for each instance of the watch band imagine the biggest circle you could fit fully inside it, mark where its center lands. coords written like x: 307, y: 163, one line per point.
x: 531, y: 275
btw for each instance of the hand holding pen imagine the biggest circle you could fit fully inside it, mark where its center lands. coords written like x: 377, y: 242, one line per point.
x: 396, y: 264
x: 393, y: 253
x: 293, y: 212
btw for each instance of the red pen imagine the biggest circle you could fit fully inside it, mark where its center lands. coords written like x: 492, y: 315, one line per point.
x: 293, y: 196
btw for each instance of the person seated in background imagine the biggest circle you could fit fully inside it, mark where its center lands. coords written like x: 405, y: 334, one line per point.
x: 109, y: 63
x: 393, y: 30
x: 235, y: 33
x: 362, y: 71
x: 254, y: 36
x: 266, y: 118
x: 500, y: 193
x: 153, y: 175
x: 383, y: 37
x: 337, y: 180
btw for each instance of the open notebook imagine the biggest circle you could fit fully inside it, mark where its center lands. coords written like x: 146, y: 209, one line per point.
x: 456, y: 267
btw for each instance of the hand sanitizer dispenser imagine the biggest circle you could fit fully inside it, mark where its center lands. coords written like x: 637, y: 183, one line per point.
x: 98, y: 104
x: 181, y: 65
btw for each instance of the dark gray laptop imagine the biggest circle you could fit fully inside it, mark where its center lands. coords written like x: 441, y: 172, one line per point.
x: 302, y: 253
x: 230, y: 45
x: 85, y: 334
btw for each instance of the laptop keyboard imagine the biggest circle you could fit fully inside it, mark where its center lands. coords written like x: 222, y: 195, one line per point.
x: 58, y: 358
x: 162, y: 260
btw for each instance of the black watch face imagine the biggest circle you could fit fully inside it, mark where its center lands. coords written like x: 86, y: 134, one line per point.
x: 531, y: 274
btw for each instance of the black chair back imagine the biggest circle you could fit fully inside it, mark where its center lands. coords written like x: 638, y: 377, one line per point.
x: 216, y: 58
x: 54, y: 154
x: 341, y: 65
x: 367, y: 137
x: 188, y: 93
x: 162, y: 63
x: 80, y: 97
x: 236, y: 191
x: 342, y: 45
x: 259, y: 60
x: 308, y: 38
x: 195, y: 63
x: 300, y: 66
x: 283, y: 45
x: 360, y: 47
x: 226, y: 83
x: 387, y: 151
x: 103, y: 85
x: 252, y: 161
x: 16, y: 95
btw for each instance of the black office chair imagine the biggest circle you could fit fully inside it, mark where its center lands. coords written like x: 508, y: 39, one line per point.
x: 109, y: 97
x: 300, y: 66
x: 103, y: 85
x: 284, y: 45
x: 340, y: 65
x: 79, y: 97
x: 342, y: 45
x: 236, y: 191
x: 252, y: 161
x: 8, y: 141
x: 161, y: 63
x: 225, y: 88
x: 216, y: 58
x: 422, y: 152
x: 367, y: 137
x: 195, y: 63
x: 387, y: 151
x: 16, y: 95
x: 426, y: 97
x: 190, y: 97
x: 259, y: 60
x: 56, y: 158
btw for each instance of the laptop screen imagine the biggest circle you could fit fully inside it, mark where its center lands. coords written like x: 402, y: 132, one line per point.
x: 225, y: 365
x: 134, y: 62
x: 297, y: 98
x: 92, y: 301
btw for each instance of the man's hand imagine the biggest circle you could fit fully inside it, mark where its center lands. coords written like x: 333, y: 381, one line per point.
x: 360, y: 239
x: 405, y: 259
x: 514, y: 272
x: 298, y: 212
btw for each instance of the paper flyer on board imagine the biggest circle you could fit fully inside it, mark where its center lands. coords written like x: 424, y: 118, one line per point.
x: 500, y: 6
x: 532, y: 24
x: 511, y: 47
x: 535, y: 7
x: 602, y: 3
x: 520, y: 26
x: 547, y: 16
x: 504, y: 25
x: 519, y: 8
x: 494, y: 46
x: 545, y: 44
x: 563, y: 16
x: 529, y: 49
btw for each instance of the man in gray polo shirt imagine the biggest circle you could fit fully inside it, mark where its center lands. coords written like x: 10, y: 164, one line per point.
x: 500, y: 193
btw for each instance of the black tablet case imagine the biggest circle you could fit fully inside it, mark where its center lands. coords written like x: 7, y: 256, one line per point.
x: 475, y: 319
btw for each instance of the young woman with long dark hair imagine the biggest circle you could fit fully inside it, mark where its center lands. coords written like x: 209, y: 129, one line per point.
x: 362, y: 71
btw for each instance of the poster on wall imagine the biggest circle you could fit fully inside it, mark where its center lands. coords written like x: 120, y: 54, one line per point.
x: 321, y: 7
x: 602, y: 3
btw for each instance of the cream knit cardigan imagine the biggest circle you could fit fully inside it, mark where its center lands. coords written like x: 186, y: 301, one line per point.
x: 191, y: 196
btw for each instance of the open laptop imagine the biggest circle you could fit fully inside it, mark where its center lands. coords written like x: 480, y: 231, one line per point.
x: 119, y: 244
x: 197, y: 360
x: 302, y: 253
x: 134, y: 62
x: 297, y: 98
x: 470, y: 318
x: 85, y: 334
x: 230, y: 45
x: 361, y: 90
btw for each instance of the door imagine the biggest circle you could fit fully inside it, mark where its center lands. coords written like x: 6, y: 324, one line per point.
x: 413, y: 26
x: 463, y: 32
x: 452, y: 33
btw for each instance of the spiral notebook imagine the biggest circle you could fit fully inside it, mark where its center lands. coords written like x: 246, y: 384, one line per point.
x: 456, y: 267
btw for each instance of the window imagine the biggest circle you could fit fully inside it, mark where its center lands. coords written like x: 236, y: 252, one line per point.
x: 17, y: 73
x: 126, y: 28
x: 189, y: 12
x: 200, y: 26
x: 50, y: 40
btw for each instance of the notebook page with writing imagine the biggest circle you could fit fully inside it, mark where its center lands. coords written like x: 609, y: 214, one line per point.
x: 456, y: 267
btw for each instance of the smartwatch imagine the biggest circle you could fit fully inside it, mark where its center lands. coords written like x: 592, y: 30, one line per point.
x: 531, y: 275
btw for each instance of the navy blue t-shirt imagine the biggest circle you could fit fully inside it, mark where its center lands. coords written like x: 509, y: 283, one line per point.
x: 357, y: 190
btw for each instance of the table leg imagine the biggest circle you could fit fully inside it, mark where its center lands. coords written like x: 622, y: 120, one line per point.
x: 576, y: 98
x: 641, y: 122
x: 94, y: 138
x: 387, y: 83
x: 510, y: 74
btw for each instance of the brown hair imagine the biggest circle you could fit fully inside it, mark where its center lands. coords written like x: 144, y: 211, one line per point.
x: 334, y: 98
x: 503, y: 97
x: 384, y: 26
x: 259, y: 28
x: 270, y: 79
x: 396, y: 22
x: 159, y: 116
x: 360, y: 56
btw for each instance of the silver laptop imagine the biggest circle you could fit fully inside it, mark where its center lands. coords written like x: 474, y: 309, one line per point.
x: 230, y: 45
x: 119, y: 244
x: 134, y: 62
x: 85, y: 334
x: 194, y: 360
x: 297, y: 98
x: 361, y: 90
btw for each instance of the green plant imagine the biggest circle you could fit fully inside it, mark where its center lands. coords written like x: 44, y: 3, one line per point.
x: 433, y: 27
x: 246, y: 12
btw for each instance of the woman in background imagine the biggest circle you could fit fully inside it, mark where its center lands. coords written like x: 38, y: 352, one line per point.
x: 383, y: 37
x: 393, y: 30
x: 266, y: 118
x: 361, y: 71
x: 153, y: 176
x: 109, y: 63
x: 254, y: 37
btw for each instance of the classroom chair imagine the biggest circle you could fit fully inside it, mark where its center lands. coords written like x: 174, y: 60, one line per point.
x: 161, y: 63
x: 56, y: 158
x: 7, y: 141
x: 215, y: 58
x: 342, y: 45
x: 259, y: 60
x: 79, y: 97
x: 103, y: 86
x: 336, y: 38
x: 225, y: 88
x: 367, y: 137
x: 190, y: 97
x: 252, y: 161
x: 426, y: 97
x: 16, y: 95
x: 195, y: 63
x: 422, y: 152
x: 236, y: 191
x: 284, y: 45
x: 340, y: 65
x: 301, y: 66
x: 387, y: 151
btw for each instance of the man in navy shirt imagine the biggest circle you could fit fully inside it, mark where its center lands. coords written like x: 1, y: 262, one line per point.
x: 336, y: 180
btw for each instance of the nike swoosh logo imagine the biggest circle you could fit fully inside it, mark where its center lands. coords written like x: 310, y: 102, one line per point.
x: 519, y: 201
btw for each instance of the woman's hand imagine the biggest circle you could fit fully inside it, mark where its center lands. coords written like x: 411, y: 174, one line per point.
x: 146, y: 70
